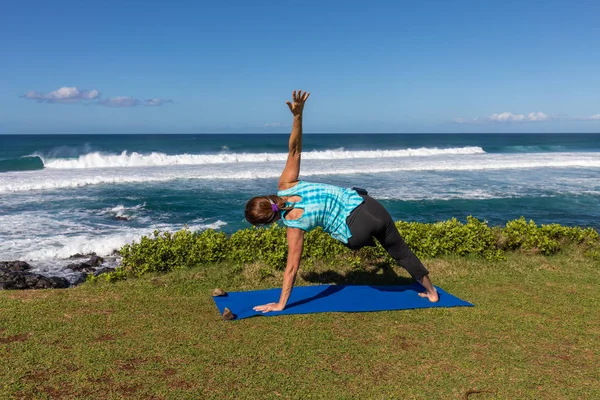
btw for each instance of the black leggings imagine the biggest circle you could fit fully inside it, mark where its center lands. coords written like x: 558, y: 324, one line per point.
x: 371, y: 220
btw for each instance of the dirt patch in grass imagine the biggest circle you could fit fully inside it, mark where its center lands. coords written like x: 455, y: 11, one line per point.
x: 72, y: 368
x: 62, y: 392
x: 105, y: 338
x: 103, y: 379
x: 403, y: 343
x: 468, y: 393
x: 129, y: 390
x: 36, y: 377
x: 181, y: 385
x: 14, y: 338
x: 131, y: 364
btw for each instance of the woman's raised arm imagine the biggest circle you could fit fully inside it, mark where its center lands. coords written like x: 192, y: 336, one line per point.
x: 290, y: 173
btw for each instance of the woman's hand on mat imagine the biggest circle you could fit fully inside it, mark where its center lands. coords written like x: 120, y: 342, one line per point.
x: 269, y: 307
x: 299, y: 99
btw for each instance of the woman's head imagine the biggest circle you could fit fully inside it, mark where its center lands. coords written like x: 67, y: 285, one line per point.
x: 262, y: 210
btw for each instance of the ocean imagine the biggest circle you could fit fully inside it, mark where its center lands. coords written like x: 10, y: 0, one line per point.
x: 67, y: 194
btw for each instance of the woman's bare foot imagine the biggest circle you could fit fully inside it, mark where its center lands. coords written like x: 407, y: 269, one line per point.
x: 430, y: 291
x: 434, y: 297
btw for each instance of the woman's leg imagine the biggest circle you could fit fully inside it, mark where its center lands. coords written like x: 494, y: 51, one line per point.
x: 371, y: 219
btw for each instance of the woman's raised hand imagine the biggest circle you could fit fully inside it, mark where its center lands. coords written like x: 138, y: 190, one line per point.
x: 299, y: 99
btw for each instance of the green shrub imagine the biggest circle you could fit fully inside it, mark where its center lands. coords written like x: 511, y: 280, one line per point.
x: 165, y: 251
x: 208, y: 247
x: 118, y: 274
x: 451, y: 237
x: 546, y: 239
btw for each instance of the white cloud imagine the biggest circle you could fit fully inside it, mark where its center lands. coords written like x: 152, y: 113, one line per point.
x: 75, y: 95
x: 507, y: 117
x: 63, y: 95
x: 538, y: 116
x: 273, y: 125
x: 510, y: 117
x: 33, y: 95
x: 120, y: 101
x: 595, y: 117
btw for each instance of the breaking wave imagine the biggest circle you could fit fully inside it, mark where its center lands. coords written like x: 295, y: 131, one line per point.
x: 134, y: 159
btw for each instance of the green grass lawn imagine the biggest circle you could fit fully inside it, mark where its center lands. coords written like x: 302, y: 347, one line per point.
x: 533, y: 334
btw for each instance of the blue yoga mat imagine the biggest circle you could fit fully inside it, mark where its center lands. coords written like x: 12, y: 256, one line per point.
x: 335, y: 298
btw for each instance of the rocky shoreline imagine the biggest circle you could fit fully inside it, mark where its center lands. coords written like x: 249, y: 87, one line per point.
x: 17, y: 275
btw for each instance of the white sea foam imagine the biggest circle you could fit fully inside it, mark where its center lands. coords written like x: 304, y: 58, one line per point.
x: 37, y: 237
x: 62, y: 246
x: 134, y: 159
x: 63, y: 178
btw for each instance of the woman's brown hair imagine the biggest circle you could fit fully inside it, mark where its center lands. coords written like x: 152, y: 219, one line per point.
x: 260, y: 212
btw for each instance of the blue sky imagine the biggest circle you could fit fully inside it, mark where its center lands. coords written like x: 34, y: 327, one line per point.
x: 228, y: 66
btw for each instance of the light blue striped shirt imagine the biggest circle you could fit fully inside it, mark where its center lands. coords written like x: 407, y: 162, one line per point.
x: 324, y: 205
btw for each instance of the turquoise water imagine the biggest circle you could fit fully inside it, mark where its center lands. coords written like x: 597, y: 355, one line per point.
x: 61, y: 195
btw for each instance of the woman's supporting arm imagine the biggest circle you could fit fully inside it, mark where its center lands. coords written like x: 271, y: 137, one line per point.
x: 295, y: 238
x: 290, y: 173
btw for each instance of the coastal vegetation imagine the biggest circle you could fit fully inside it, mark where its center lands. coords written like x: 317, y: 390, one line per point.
x: 166, y: 251
x: 533, y: 333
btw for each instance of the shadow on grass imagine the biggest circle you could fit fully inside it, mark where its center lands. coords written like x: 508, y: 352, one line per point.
x: 378, y: 274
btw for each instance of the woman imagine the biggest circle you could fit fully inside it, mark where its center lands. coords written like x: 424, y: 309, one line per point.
x: 352, y: 218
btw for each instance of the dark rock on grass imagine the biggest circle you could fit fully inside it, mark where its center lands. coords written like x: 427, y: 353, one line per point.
x: 218, y: 292
x: 15, y: 265
x: 26, y: 280
x: 228, y: 315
